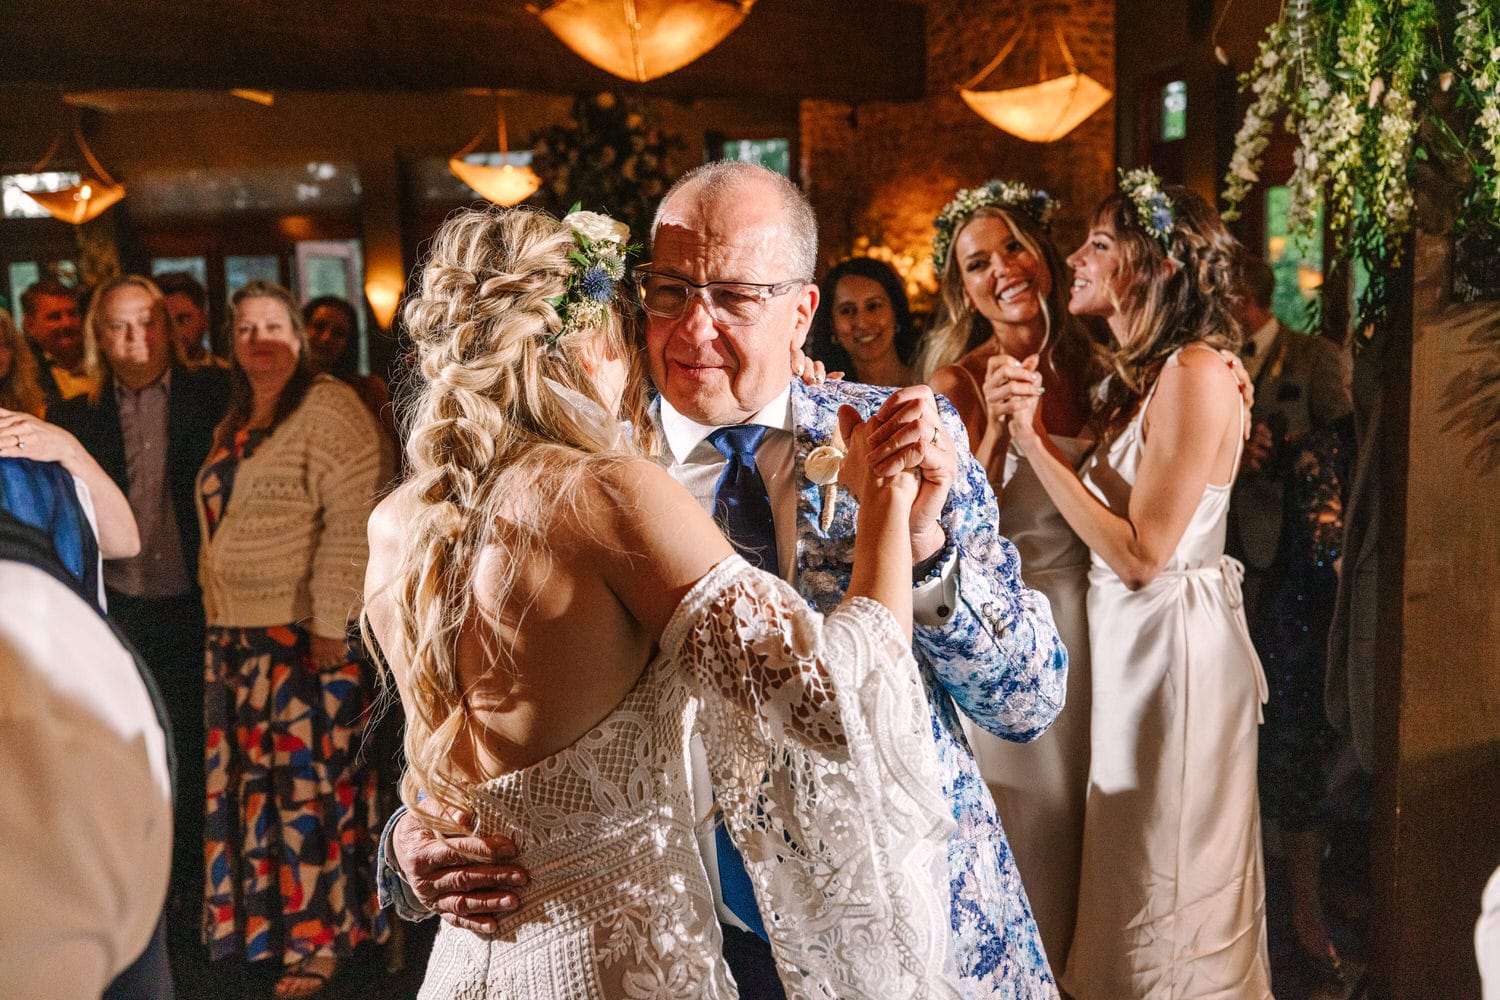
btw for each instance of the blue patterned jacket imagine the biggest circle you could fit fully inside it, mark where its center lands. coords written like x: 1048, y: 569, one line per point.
x: 998, y: 658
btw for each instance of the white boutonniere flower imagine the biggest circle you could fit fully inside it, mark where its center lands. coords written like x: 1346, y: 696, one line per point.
x: 822, y: 467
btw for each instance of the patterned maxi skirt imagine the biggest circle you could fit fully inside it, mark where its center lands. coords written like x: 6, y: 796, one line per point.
x: 291, y: 799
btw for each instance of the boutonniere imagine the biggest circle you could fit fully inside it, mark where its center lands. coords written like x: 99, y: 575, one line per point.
x: 822, y: 467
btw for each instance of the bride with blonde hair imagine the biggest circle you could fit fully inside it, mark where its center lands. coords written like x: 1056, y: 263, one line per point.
x: 560, y: 616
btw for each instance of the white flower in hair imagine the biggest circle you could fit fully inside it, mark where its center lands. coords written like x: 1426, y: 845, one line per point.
x: 598, y: 228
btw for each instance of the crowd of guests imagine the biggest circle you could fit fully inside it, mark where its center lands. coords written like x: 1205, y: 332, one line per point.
x: 1186, y: 544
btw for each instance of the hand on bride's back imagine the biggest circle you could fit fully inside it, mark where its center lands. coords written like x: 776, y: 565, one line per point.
x: 461, y: 878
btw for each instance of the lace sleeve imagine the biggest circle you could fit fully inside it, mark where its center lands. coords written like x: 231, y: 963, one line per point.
x: 819, y: 741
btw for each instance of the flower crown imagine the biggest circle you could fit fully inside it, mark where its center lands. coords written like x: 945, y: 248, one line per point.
x: 1153, y: 209
x: 1008, y: 195
x: 598, y: 267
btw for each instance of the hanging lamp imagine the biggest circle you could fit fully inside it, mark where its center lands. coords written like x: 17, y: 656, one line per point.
x: 505, y: 184
x: 79, y: 202
x: 641, y: 40
x: 1052, y: 107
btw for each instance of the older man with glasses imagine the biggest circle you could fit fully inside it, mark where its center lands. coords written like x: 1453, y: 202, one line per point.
x: 729, y: 299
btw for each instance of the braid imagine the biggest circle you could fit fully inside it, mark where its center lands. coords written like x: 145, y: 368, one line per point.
x: 489, y: 451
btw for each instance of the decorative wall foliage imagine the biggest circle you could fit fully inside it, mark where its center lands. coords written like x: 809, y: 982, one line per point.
x: 1378, y: 93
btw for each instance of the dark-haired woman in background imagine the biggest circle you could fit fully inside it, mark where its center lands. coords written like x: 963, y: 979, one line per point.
x: 864, y: 325
x: 333, y: 343
x: 283, y: 502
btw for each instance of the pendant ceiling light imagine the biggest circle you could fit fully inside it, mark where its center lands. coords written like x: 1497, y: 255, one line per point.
x: 90, y: 196
x: 1052, y: 107
x: 641, y: 40
x: 503, y: 184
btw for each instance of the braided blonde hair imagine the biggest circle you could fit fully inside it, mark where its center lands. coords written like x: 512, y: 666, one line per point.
x: 492, y: 453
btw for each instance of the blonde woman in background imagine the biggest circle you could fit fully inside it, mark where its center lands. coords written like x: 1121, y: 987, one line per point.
x: 1003, y: 299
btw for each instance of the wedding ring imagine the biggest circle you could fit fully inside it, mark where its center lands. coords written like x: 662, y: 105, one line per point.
x: 934, y: 436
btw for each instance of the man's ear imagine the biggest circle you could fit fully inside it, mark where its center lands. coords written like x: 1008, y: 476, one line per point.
x: 807, y: 305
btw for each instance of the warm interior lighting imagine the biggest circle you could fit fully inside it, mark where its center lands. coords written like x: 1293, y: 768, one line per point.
x: 641, y: 40
x: 85, y: 200
x: 383, y: 294
x: 1044, y: 111
x: 504, y: 185
x: 262, y: 97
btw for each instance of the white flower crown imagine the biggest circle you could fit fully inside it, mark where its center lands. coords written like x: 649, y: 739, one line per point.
x: 1011, y: 196
x: 1154, y: 211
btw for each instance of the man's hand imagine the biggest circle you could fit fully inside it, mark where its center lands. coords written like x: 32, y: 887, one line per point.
x: 908, y: 429
x: 460, y: 878
x: 1247, y: 385
x: 1257, y: 448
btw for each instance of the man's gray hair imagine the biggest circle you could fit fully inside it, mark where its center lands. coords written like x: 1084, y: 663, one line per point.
x: 721, y: 177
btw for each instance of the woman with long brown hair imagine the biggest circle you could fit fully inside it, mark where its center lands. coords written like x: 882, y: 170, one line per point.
x: 1172, y: 898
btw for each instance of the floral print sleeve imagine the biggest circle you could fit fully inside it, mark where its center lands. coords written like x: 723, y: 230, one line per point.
x: 999, y: 656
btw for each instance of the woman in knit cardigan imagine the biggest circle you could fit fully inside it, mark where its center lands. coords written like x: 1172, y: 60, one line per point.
x: 283, y: 500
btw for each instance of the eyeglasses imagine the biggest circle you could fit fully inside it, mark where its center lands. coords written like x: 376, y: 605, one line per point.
x: 733, y: 303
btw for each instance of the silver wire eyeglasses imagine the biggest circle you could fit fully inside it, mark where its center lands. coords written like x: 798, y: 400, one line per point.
x: 733, y: 303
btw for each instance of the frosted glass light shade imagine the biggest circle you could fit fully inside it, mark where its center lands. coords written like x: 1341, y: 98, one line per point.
x: 641, y: 40
x: 78, y: 203
x: 1041, y: 112
x: 504, y: 185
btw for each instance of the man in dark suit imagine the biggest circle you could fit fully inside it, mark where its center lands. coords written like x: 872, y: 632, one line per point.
x: 150, y: 425
x: 1301, y: 385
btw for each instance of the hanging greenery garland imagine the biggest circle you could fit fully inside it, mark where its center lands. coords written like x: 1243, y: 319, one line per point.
x: 1375, y: 91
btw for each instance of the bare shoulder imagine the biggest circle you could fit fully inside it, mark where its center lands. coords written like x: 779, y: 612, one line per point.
x: 1200, y: 366
x: 638, y: 497
x: 385, y: 528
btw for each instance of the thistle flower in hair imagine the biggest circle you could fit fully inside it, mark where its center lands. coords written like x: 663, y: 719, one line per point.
x: 1154, y: 211
x: 1009, y: 196
x: 598, y: 268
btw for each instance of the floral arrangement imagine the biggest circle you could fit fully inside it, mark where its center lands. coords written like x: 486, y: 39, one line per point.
x: 1153, y: 209
x: 1376, y: 91
x: 598, y: 268
x: 1008, y: 195
x: 608, y: 156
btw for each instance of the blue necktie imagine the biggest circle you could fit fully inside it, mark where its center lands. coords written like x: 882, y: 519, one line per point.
x: 743, y: 508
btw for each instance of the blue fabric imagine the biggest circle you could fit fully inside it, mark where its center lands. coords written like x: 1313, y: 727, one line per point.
x: 741, y: 504
x: 42, y: 495
x: 743, y: 508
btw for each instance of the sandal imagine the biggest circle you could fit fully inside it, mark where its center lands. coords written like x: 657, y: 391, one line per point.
x: 303, y: 969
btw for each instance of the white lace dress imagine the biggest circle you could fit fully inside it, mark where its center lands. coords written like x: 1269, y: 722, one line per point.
x: 818, y: 742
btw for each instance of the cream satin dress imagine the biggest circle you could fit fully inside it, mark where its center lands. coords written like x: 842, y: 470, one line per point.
x: 1039, y: 787
x: 1172, y: 894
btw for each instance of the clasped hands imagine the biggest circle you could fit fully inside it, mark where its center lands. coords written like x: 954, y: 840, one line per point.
x: 1013, y: 390
x: 906, y: 435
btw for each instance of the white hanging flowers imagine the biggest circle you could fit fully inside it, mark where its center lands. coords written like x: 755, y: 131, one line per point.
x: 1352, y: 83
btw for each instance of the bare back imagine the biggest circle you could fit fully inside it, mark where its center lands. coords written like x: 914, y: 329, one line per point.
x: 579, y: 620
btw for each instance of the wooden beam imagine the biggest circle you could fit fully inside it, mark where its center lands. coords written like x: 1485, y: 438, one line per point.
x: 847, y: 50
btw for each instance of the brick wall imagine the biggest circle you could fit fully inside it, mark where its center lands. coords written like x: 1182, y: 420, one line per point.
x: 884, y: 169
